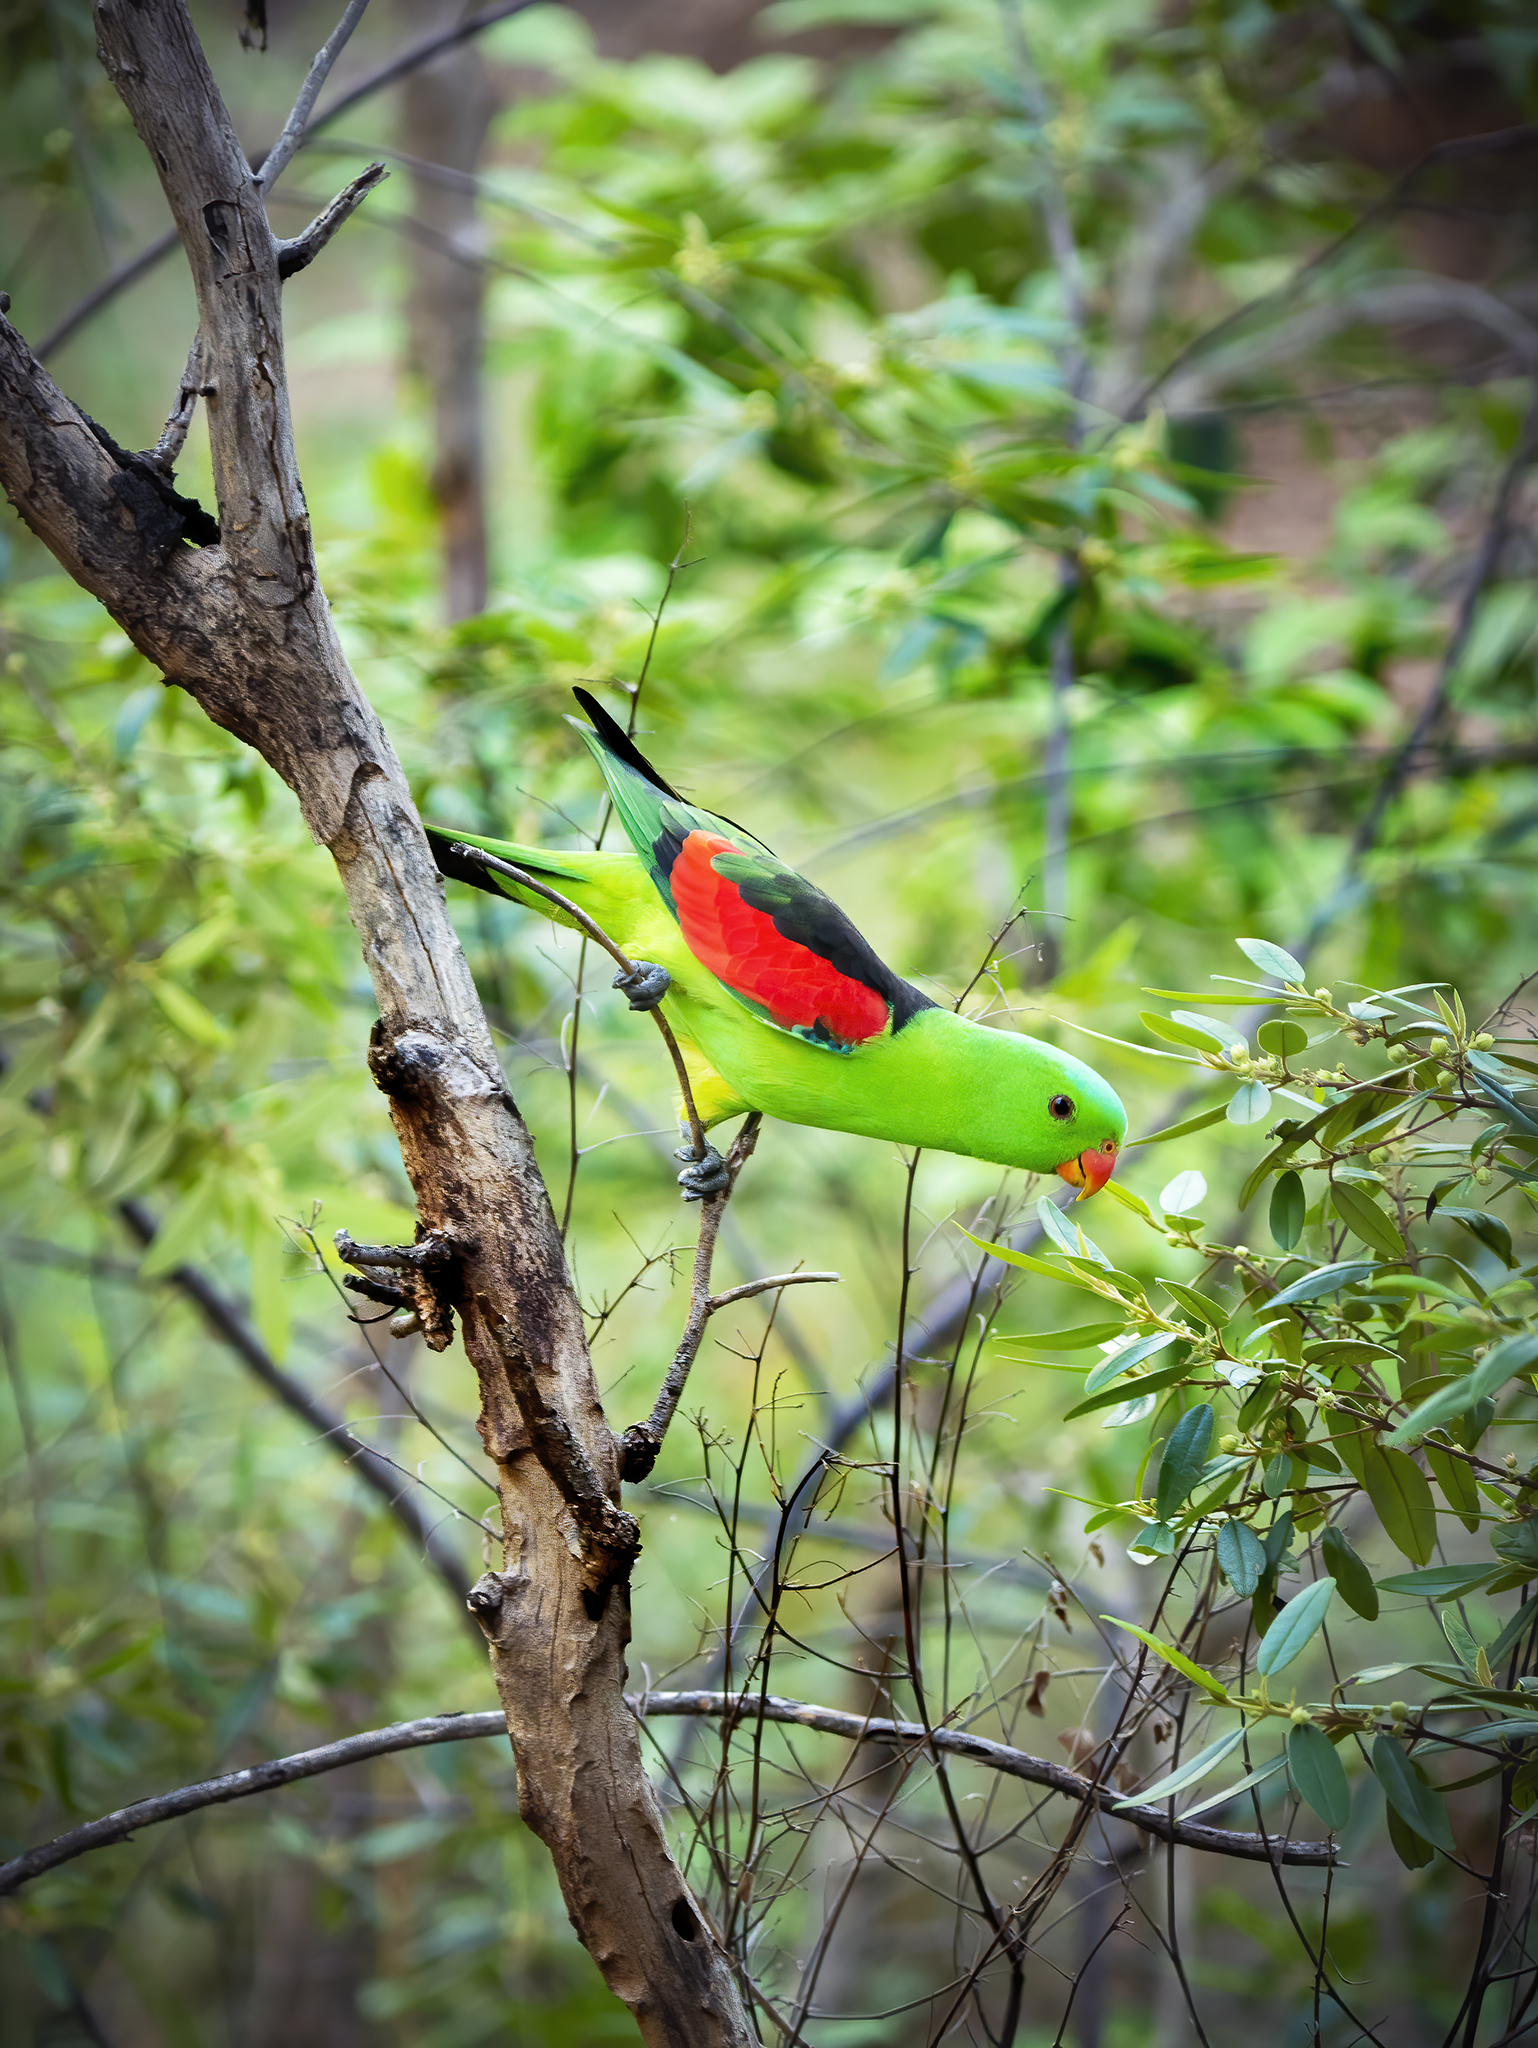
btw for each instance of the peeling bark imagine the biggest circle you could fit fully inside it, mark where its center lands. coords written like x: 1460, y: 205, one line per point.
x: 243, y: 626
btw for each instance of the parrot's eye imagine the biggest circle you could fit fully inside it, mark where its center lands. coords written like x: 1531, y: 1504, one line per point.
x: 1061, y: 1106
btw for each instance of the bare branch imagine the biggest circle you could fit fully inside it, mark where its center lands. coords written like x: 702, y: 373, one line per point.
x: 167, y: 451
x: 276, y: 161
x: 434, y: 1728
x: 751, y: 1287
x: 284, y: 1770
x: 298, y: 253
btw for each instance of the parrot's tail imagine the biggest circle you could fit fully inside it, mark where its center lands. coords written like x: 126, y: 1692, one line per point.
x: 570, y: 877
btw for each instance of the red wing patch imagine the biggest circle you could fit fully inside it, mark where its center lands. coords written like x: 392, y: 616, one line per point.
x: 741, y: 946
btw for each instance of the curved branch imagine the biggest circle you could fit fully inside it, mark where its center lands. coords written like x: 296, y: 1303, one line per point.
x: 433, y: 1728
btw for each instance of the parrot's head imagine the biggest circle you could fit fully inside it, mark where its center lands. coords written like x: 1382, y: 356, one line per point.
x: 1086, y: 1120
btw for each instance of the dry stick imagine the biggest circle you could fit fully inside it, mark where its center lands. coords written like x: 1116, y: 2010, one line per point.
x: 276, y: 161
x: 626, y: 967
x: 301, y: 250
x: 389, y: 74
x: 433, y: 1728
x: 230, y: 1326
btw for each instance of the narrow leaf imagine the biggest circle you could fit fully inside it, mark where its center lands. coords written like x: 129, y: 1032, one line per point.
x: 1289, y: 1204
x: 1271, y: 959
x: 1350, y: 1574
x: 1441, y: 1581
x: 1323, y: 1280
x: 1189, y: 1773
x: 1213, y: 1687
x: 1416, y: 1802
x: 1117, y: 1362
x: 1255, y: 1777
x: 1184, y: 1456
x: 1200, y: 1305
x: 1362, y: 1216
x: 1398, y: 1489
x: 1318, y: 1773
x: 1295, y: 1627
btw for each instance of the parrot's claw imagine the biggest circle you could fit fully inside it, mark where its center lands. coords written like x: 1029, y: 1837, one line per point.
x: 644, y: 985
x: 705, y: 1177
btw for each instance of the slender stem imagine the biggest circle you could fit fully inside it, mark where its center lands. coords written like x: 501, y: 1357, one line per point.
x: 276, y: 161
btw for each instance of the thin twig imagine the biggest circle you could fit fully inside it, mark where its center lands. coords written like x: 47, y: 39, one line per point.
x: 643, y: 1440
x: 167, y: 451
x: 276, y: 161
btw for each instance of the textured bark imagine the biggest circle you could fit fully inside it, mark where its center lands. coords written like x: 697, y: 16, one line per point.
x: 243, y: 625
x: 446, y: 108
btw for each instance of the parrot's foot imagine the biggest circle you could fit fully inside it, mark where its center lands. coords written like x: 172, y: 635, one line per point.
x: 644, y: 986
x: 421, y: 1289
x: 703, y: 1176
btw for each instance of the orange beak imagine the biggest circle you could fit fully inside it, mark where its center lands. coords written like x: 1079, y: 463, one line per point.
x: 1092, y: 1169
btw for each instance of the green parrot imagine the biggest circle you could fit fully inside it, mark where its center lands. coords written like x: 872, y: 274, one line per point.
x: 779, y: 1005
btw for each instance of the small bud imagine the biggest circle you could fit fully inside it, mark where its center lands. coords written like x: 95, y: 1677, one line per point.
x: 1399, y: 1055
x: 1483, y: 1175
x: 1438, y: 1048
x: 1511, y: 1461
x: 1229, y: 1444
x: 1445, y: 1077
x: 1300, y: 1717
x: 1484, y: 1041
x: 1238, y: 1051
x: 1398, y: 1711
x: 1322, y: 995
x: 1241, y: 1251
x: 1326, y: 1399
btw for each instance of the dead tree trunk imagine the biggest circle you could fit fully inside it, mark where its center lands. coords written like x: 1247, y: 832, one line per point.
x: 241, y: 623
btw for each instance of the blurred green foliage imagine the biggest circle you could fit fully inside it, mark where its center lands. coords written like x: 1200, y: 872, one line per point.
x: 808, y: 311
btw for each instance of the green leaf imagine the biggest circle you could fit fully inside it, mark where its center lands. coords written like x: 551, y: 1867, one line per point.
x: 1184, y: 1194
x: 1080, y: 1339
x: 1180, y: 1130
x: 1441, y: 1581
x: 1242, y: 1556
x: 1256, y: 1777
x: 1416, y: 1802
x: 1318, y: 1773
x: 1118, y: 1362
x: 1065, y: 1235
x: 1150, y: 1383
x: 1349, y: 1573
x: 1323, y: 1280
x: 1517, y: 1543
x: 1289, y: 1204
x: 1295, y: 1627
x: 1464, y: 1646
x: 1179, y: 1034
x: 1271, y: 959
x: 1518, y: 1626
x: 189, y: 1016
x: 1413, y: 1850
x: 1188, y: 1774
x: 1213, y: 1687
x: 1490, y: 1230
x: 1283, y: 1036
x: 1184, y: 1456
x: 1457, y: 1484
x: 1195, y: 1303
x: 1502, y: 1362
x: 1398, y: 1490
x: 1250, y: 1103
x: 1362, y: 1216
